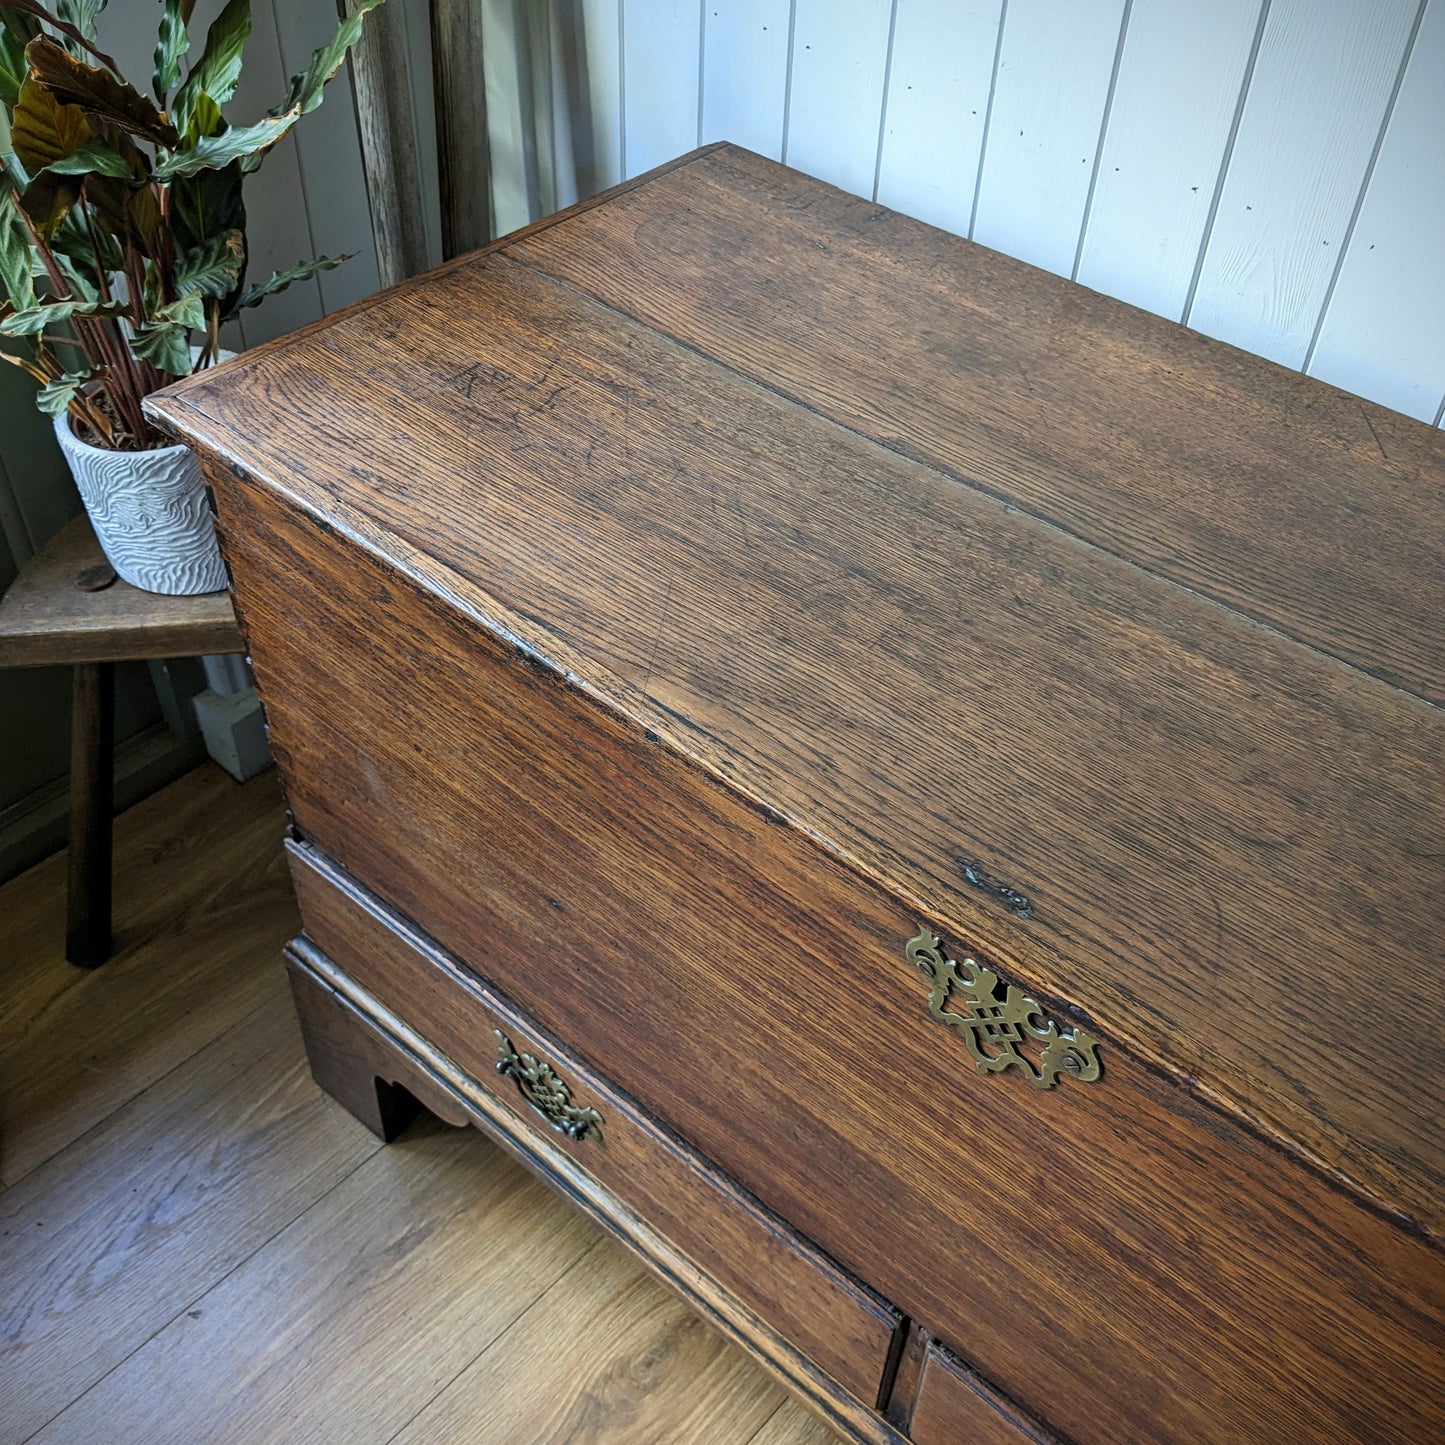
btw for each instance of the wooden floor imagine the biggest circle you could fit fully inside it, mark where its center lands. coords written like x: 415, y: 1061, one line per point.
x: 196, y: 1244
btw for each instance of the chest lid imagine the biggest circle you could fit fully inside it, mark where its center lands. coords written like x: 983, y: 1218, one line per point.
x: 1116, y: 649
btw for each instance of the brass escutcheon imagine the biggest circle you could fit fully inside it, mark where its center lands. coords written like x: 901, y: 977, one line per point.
x: 548, y: 1096
x: 997, y: 1021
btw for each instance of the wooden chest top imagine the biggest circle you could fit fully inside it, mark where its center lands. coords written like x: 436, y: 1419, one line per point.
x: 1119, y: 647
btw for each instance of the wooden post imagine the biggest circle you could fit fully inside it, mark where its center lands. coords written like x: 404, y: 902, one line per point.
x: 390, y: 150
x: 463, y: 158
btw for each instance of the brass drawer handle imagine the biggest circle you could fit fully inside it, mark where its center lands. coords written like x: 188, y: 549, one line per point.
x: 546, y: 1093
x: 994, y: 1027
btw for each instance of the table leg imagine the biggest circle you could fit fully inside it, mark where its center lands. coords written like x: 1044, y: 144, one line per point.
x: 92, y: 788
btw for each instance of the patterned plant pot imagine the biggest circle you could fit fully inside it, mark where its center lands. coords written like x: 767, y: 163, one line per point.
x: 150, y: 512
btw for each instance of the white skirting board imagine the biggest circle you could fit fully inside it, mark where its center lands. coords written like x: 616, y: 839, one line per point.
x: 230, y: 718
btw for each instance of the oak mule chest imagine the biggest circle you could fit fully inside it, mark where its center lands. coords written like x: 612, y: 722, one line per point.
x: 910, y: 790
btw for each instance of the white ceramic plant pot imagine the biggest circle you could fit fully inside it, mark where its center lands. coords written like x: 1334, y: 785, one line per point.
x: 150, y: 514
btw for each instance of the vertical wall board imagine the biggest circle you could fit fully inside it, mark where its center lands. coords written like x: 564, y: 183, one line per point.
x: 1054, y: 69
x: 41, y: 490
x: 330, y: 158
x: 561, y: 67
x: 1174, y: 105
x: 595, y: 80
x: 1384, y: 333
x: 745, y: 73
x: 380, y: 75
x: 1321, y: 85
x: 15, y: 546
x: 535, y: 39
x: 661, y: 42
x: 938, y: 89
x: 835, y: 100
x: 507, y: 77
x: 278, y: 228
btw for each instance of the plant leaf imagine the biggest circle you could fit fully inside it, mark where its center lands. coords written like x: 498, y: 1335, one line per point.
x: 215, y: 269
x: 132, y: 214
x: 306, y: 88
x: 189, y: 311
x: 247, y: 144
x: 97, y: 91
x: 43, y: 129
x: 16, y: 32
x: 55, y: 396
x: 205, y: 205
x: 47, y: 201
x: 81, y: 14
x: 35, y: 319
x: 167, y: 347
x: 215, y: 74
x: 172, y: 43
x: 14, y: 255
x: 280, y: 280
x: 33, y: 7
x: 215, y: 151
x: 93, y: 158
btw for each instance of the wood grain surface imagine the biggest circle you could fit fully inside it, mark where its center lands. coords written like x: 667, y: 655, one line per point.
x: 202, y: 865
x: 952, y: 1407
x: 1201, y: 813
x: 415, y: 1062
x: 773, y: 980
x: 45, y: 618
x: 1314, y: 511
x: 367, y: 1262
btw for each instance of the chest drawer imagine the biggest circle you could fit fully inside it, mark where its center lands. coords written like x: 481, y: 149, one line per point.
x: 841, y: 1327
x: 953, y: 1405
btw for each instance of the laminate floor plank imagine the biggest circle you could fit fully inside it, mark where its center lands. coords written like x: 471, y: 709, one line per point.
x: 606, y: 1358
x: 791, y: 1424
x: 349, y: 1321
x: 202, y: 908
x: 106, y: 1243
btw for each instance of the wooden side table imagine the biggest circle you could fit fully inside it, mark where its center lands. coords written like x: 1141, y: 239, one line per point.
x: 67, y: 605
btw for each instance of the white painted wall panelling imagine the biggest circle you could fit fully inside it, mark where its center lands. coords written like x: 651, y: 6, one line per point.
x: 509, y: 115
x: 1321, y: 89
x: 661, y: 66
x: 836, y: 90
x: 1055, y: 68
x: 598, y: 63
x: 333, y: 184
x: 1178, y: 93
x: 745, y: 73
x: 278, y: 226
x: 939, y: 85
x: 1382, y: 333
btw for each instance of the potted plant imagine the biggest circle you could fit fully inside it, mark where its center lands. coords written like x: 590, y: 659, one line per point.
x: 123, y: 252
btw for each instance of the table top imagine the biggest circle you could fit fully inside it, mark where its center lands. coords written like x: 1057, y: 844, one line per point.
x: 46, y: 618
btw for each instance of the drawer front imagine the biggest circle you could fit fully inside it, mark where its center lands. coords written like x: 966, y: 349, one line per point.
x: 844, y: 1329
x: 954, y: 1406
x: 1121, y: 1258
